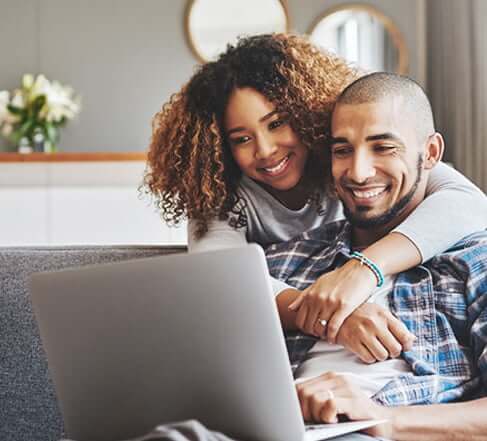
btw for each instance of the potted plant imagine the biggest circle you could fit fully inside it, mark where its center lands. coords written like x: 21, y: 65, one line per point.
x: 33, y: 114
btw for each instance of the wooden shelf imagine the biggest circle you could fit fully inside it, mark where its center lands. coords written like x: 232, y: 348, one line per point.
x: 73, y: 157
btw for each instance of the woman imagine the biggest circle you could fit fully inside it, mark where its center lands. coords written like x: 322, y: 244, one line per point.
x: 239, y: 151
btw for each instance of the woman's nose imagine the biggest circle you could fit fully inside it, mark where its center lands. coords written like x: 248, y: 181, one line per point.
x: 266, y: 147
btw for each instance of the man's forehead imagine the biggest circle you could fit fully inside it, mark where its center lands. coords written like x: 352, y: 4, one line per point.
x: 387, y: 113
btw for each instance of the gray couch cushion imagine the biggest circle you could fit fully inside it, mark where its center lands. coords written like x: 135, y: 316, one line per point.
x: 28, y: 407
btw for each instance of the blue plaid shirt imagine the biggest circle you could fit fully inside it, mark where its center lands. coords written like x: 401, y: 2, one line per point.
x: 443, y: 302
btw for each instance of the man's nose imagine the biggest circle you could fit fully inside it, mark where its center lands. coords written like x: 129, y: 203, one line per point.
x: 362, y: 167
x: 266, y: 147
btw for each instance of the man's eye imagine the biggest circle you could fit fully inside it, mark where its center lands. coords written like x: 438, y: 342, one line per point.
x: 340, y: 152
x: 239, y: 140
x: 277, y: 123
x: 385, y: 148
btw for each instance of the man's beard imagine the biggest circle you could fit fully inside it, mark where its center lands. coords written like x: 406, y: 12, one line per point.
x: 392, y: 213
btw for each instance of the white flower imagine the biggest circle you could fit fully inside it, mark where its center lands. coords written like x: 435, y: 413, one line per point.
x: 18, y: 100
x: 41, y: 86
x: 27, y: 81
x: 60, y: 103
x: 4, y: 101
x: 7, y: 130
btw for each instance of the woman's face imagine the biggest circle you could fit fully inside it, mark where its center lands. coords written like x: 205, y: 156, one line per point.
x: 263, y: 144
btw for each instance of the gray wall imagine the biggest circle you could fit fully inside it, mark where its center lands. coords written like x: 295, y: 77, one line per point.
x: 126, y: 57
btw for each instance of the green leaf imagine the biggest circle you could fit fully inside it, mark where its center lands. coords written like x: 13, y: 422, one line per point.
x: 16, y: 110
x: 52, y: 133
x: 27, y: 128
x: 38, y: 104
x: 14, y: 138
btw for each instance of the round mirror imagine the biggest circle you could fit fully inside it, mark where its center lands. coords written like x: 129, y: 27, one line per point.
x: 212, y: 24
x: 364, y: 36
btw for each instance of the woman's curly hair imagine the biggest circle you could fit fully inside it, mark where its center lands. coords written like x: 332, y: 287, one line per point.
x: 191, y: 172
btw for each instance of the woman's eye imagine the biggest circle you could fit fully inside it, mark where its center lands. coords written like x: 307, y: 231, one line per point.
x: 239, y: 140
x: 277, y: 123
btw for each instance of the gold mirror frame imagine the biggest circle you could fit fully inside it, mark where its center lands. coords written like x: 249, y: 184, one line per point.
x: 391, y: 27
x: 189, y: 38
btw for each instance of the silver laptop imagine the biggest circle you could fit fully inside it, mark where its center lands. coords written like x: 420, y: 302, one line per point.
x: 135, y: 344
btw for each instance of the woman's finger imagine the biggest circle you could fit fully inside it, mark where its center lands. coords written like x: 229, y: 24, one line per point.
x: 301, y: 316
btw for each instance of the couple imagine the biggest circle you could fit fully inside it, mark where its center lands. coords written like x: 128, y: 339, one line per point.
x: 241, y: 151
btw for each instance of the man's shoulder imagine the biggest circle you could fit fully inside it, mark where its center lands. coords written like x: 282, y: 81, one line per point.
x: 471, y: 251
x: 475, y: 242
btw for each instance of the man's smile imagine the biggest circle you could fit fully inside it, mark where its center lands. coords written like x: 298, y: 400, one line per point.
x: 367, y: 195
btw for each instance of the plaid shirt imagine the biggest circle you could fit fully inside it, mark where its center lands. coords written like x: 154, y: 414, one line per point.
x: 443, y: 302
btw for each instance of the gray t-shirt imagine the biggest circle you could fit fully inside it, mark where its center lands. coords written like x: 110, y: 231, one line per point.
x: 269, y: 221
x: 453, y: 208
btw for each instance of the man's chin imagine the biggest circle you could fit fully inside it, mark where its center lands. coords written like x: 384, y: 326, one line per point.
x: 367, y: 217
x: 365, y: 222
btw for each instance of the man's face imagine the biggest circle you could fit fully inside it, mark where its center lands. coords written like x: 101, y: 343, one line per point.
x: 376, y: 161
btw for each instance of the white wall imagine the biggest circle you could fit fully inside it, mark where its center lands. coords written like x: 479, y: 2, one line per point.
x: 77, y: 203
x: 126, y: 57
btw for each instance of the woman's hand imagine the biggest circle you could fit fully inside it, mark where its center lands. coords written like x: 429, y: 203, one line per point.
x: 333, y: 297
x: 374, y: 334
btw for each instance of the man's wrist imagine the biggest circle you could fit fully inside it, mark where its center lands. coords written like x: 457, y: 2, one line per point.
x: 387, y: 429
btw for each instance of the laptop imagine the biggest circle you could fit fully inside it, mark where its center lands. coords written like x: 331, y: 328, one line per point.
x: 135, y: 344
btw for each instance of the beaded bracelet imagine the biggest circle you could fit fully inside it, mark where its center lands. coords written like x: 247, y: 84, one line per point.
x: 370, y: 265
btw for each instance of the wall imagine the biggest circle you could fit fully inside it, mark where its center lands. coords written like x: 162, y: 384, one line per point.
x: 126, y: 57
x: 79, y: 203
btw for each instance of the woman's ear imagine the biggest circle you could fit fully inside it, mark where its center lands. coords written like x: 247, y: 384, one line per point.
x: 435, y: 146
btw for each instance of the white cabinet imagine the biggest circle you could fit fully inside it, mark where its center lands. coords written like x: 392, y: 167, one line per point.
x: 79, y: 203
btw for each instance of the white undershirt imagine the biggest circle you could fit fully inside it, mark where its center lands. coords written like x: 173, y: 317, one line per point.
x: 325, y: 357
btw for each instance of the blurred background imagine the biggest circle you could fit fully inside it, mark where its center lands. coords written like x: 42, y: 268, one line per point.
x: 125, y: 58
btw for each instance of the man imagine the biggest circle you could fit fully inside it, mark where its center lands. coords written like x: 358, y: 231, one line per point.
x: 383, y: 147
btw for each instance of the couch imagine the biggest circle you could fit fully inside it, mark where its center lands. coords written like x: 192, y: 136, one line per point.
x: 28, y: 405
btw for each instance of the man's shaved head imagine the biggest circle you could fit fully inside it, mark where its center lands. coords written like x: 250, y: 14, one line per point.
x: 380, y: 86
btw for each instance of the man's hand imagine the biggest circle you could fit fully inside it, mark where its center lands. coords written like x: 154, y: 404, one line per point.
x: 333, y: 297
x: 374, y: 334
x: 325, y: 397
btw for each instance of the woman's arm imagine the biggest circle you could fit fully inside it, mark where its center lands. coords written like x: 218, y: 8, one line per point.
x: 221, y: 235
x: 452, y: 209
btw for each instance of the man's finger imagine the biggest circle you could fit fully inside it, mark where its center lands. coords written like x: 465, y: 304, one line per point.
x: 317, y: 402
x: 390, y: 343
x: 329, y: 411
x: 334, y: 324
x: 364, y: 354
x: 297, y: 302
x: 377, y: 349
x: 304, y: 403
x: 301, y: 316
x: 401, y: 333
